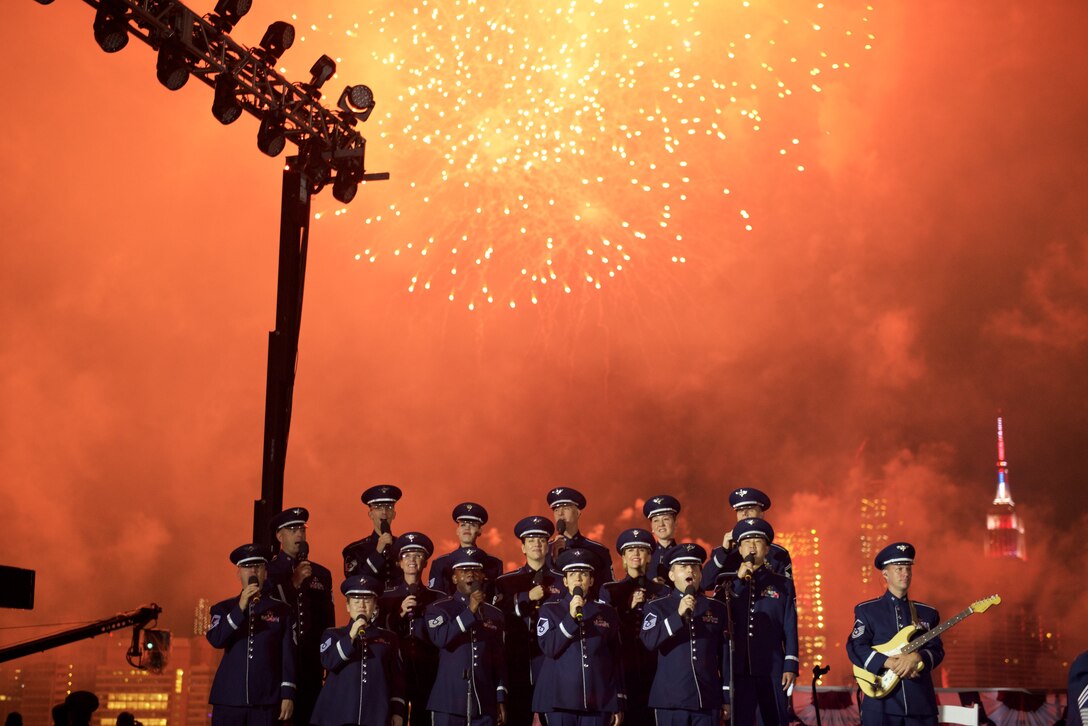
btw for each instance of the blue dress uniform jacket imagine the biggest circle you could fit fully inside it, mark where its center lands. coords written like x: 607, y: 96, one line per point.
x: 764, y: 646
x: 602, y: 571
x: 1078, y: 692
x: 582, y: 668
x: 692, y: 658
x: 724, y: 563
x: 441, y: 575
x: 361, y: 557
x: 469, y: 643
x: 258, y: 665
x: 639, y: 663
x: 313, y: 612
x: 877, y: 621
x: 657, y: 567
x: 523, y: 654
x: 419, y: 654
x: 365, y: 684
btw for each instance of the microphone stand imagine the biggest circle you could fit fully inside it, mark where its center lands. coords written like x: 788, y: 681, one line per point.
x: 725, y: 587
x: 817, y: 672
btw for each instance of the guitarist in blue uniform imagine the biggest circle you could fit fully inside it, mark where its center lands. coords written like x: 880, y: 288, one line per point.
x: 912, y: 700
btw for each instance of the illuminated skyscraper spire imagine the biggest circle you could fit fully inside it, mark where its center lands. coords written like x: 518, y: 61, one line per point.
x: 1003, y: 496
x: 1004, y: 528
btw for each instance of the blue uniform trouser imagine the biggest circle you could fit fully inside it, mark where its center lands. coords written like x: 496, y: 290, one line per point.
x: 448, y: 719
x: 683, y: 717
x: 762, y: 693
x: 577, y: 718
x: 245, y: 715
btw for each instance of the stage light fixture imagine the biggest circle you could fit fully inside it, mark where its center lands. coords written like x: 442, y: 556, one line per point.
x: 344, y: 188
x: 225, y: 105
x: 322, y: 71
x: 230, y: 12
x: 358, y: 101
x: 279, y: 37
x: 110, y: 27
x: 171, y: 68
x: 271, y: 136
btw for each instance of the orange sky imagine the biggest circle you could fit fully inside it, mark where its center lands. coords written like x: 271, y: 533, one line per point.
x: 928, y: 266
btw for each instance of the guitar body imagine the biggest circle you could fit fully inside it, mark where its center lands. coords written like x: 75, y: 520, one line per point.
x: 879, y: 686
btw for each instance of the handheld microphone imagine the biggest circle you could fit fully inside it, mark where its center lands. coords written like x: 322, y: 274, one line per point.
x: 414, y: 589
x: 383, y: 527
x: 578, y: 592
x: 257, y: 597
x: 641, y: 583
x: 303, y: 551
x: 689, y: 590
x: 750, y: 559
x: 360, y: 618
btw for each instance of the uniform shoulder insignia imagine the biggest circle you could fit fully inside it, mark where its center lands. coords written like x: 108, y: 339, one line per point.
x: 859, y: 630
x: 326, y: 644
x: 215, y: 620
x: 649, y: 621
x: 430, y: 583
x: 436, y: 621
x: 542, y: 626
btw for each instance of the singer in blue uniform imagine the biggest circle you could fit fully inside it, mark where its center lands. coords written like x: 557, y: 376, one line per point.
x: 365, y: 682
x: 689, y: 633
x: 662, y: 511
x: 1078, y: 692
x: 471, y: 682
x: 581, y: 680
x: 306, y: 587
x: 519, y: 594
x: 372, y: 555
x: 402, y: 607
x: 255, y: 681
x: 629, y: 596
x: 913, y: 700
x: 747, y: 503
x: 470, y: 518
x: 764, y: 608
x: 567, y: 504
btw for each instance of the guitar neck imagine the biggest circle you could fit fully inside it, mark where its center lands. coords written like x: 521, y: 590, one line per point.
x: 935, y: 632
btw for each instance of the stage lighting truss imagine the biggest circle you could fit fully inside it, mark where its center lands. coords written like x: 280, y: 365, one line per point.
x: 246, y: 80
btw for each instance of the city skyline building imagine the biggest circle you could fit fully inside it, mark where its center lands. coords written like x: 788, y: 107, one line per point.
x: 1005, y: 537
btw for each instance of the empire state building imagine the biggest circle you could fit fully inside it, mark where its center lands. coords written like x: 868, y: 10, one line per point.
x: 1004, y: 528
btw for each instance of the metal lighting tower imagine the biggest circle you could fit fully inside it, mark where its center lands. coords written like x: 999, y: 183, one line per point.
x: 330, y: 149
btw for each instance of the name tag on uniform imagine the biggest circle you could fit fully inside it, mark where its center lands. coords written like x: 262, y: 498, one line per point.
x: 649, y: 621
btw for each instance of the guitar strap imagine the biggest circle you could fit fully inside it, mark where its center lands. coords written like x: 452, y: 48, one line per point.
x: 913, y: 613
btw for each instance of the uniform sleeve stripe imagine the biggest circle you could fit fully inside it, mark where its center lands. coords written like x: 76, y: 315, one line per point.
x: 340, y: 651
x: 288, y: 684
x: 866, y: 666
x: 1082, y: 699
x: 793, y: 657
x: 569, y: 635
x: 372, y: 567
x: 459, y: 623
x: 668, y: 627
x: 501, y: 688
x: 231, y: 622
x: 397, y: 700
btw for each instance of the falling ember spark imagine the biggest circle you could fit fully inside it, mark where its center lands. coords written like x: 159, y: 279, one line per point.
x: 542, y: 148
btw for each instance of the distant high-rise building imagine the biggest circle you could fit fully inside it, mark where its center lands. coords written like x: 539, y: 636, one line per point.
x: 873, y: 523
x: 1004, y: 528
x: 804, y: 550
x: 202, y: 616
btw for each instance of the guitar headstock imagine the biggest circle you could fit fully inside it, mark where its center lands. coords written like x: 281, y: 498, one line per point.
x: 981, y: 606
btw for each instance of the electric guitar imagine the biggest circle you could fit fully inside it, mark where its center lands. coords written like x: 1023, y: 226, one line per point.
x: 905, y: 641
